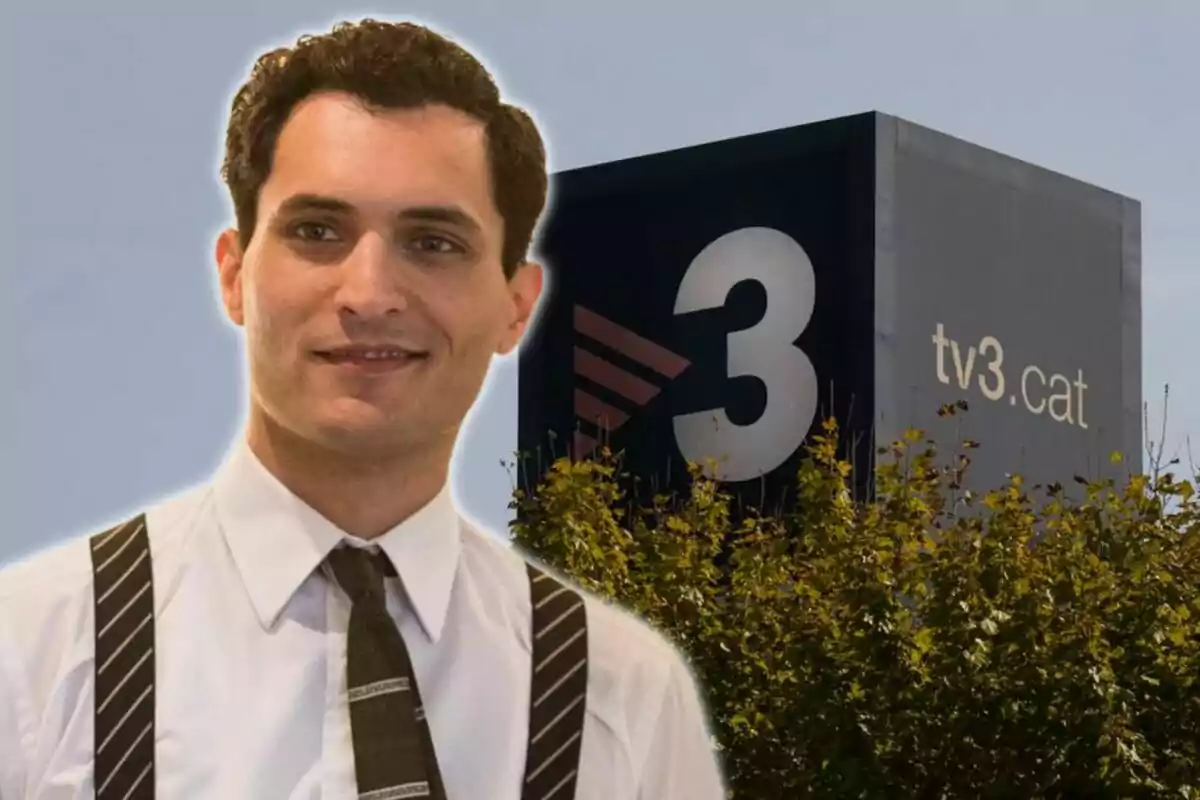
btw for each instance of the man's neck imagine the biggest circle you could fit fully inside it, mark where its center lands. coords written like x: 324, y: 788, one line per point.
x: 365, y: 496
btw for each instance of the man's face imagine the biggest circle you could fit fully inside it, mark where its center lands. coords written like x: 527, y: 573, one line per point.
x: 372, y: 292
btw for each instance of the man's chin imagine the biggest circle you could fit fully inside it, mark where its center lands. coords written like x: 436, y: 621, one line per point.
x: 362, y: 431
x: 354, y: 412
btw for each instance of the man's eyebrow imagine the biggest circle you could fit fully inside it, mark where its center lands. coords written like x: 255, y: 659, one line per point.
x: 314, y: 202
x: 452, y: 215
x: 449, y: 214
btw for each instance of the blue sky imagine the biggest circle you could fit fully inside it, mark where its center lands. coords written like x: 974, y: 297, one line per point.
x: 123, y: 383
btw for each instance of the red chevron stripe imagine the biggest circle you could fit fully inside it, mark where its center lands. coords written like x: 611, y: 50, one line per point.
x: 613, y: 377
x: 584, y: 445
x: 598, y: 412
x: 628, y: 343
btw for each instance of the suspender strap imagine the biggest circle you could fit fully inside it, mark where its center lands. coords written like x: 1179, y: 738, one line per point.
x: 558, y: 696
x: 124, y: 598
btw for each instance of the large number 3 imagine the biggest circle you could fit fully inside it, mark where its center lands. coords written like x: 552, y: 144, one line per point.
x: 764, y: 351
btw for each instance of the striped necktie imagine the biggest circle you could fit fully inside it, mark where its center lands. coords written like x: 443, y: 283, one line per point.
x: 393, y: 750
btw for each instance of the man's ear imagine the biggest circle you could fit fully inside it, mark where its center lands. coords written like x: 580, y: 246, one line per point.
x: 524, y: 290
x: 229, y: 273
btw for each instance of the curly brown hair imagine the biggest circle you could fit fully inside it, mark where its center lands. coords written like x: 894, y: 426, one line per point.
x: 387, y: 65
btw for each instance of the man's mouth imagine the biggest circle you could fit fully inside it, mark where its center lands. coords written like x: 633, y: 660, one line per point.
x: 369, y: 355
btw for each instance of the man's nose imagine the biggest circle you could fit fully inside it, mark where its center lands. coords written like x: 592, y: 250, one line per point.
x: 372, y: 281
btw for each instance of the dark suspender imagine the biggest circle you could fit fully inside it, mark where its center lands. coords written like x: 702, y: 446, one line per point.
x: 125, y: 674
x: 124, y: 598
x: 558, y: 698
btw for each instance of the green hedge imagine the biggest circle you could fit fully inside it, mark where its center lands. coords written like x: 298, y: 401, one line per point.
x: 925, y: 643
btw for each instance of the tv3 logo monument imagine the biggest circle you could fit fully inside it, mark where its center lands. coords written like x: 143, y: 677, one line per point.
x: 715, y: 302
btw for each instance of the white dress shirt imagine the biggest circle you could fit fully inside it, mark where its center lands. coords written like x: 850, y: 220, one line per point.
x: 251, y: 649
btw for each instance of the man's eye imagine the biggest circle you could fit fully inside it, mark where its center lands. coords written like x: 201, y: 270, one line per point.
x: 313, y: 232
x: 435, y: 245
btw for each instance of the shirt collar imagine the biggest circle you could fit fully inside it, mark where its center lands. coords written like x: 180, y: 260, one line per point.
x: 277, y: 541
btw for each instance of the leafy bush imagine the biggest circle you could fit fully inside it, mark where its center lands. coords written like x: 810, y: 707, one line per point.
x: 1030, y: 642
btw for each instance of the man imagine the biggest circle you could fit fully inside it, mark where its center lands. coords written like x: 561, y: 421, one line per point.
x: 319, y: 621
